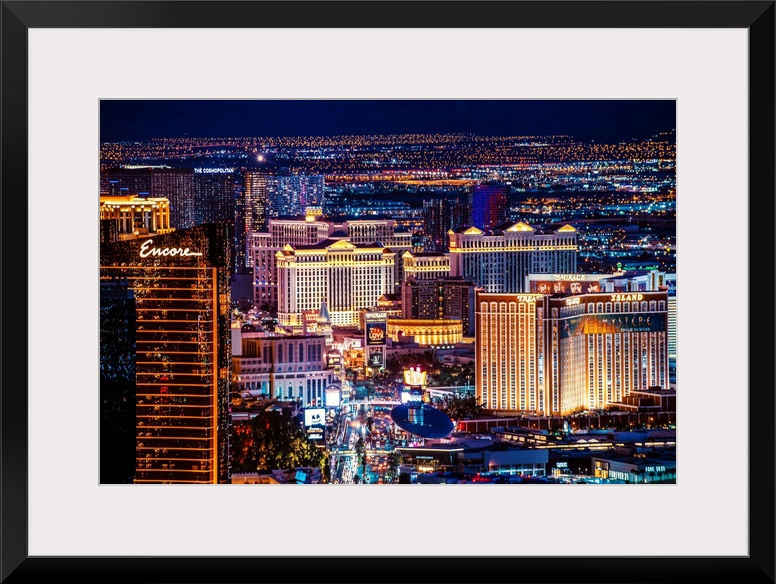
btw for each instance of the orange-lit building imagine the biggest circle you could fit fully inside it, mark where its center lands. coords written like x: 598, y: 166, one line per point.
x: 180, y: 282
x: 559, y: 355
x: 426, y: 332
x: 134, y: 216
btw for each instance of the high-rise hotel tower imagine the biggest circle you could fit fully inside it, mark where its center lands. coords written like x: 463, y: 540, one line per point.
x: 180, y: 282
x: 550, y: 355
x: 311, y: 230
x: 500, y: 261
x: 349, y: 277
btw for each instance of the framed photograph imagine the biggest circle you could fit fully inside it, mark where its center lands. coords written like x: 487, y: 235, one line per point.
x: 711, y: 520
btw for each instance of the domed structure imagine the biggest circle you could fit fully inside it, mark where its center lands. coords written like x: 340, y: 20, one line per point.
x: 422, y: 420
x: 415, y: 416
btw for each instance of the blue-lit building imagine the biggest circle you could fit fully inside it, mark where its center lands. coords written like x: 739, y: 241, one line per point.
x: 488, y: 203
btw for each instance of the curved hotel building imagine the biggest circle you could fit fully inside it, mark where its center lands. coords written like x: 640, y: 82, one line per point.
x: 548, y: 355
x: 180, y: 282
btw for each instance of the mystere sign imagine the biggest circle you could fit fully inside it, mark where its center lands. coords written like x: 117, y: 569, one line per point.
x: 607, y: 323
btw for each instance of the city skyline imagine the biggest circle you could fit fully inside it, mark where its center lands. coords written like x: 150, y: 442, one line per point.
x: 586, y: 120
x: 353, y: 291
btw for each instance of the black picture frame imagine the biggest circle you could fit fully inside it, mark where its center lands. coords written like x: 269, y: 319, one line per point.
x: 19, y: 16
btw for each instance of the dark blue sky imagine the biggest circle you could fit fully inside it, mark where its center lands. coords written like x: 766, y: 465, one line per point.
x: 601, y: 120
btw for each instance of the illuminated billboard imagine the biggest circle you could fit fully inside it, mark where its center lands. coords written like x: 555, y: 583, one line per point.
x: 315, y: 433
x: 314, y: 416
x: 333, y: 397
x: 563, y: 287
x: 375, y: 333
x: 590, y: 324
x: 376, y: 358
x: 334, y: 360
x: 565, y: 283
x: 375, y: 316
x: 315, y: 423
x: 412, y: 396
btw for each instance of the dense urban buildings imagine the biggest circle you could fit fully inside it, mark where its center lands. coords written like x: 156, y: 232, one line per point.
x: 270, y: 366
x: 440, y: 298
x: 268, y: 196
x: 439, y: 217
x: 264, y: 247
x: 312, y: 230
x: 264, y: 301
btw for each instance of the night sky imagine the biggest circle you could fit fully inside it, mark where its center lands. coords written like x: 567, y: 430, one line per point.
x: 599, y: 120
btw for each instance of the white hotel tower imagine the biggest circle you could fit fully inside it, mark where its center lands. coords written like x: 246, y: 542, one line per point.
x: 499, y: 262
x: 310, y: 230
x: 349, y: 278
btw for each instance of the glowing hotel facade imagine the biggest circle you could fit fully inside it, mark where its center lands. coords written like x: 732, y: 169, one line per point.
x: 311, y: 230
x: 500, y: 261
x: 133, y: 215
x: 550, y: 355
x: 183, y: 361
x: 349, y: 278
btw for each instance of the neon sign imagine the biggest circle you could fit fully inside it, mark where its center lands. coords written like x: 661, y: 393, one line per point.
x: 619, y: 475
x: 375, y: 333
x: 569, y: 277
x: 626, y: 297
x: 146, y: 250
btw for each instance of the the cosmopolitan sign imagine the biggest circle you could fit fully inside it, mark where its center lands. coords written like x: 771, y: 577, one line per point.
x: 147, y: 250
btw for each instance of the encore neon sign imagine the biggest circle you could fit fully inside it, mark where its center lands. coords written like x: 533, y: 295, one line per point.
x: 146, y: 250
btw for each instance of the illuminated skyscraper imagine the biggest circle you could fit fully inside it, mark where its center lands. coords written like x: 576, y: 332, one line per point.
x: 350, y: 278
x: 385, y: 231
x: 439, y: 217
x: 310, y: 231
x: 177, y: 186
x: 439, y: 299
x: 180, y: 282
x: 488, y: 203
x: 214, y: 195
x: 559, y: 355
x: 291, y: 194
x: 254, y: 209
x: 265, y: 246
